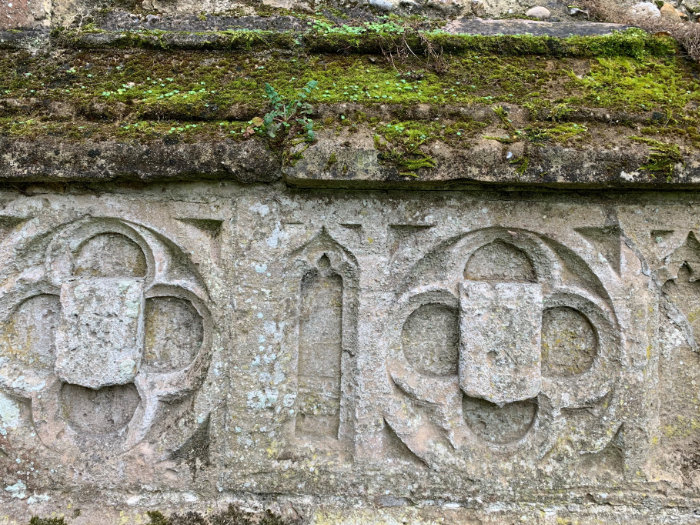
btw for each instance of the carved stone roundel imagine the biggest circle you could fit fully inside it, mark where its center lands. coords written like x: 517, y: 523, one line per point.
x: 500, y: 334
x: 109, y: 324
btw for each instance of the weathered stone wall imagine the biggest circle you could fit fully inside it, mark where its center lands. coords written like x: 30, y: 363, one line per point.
x: 457, y: 282
x: 484, y: 355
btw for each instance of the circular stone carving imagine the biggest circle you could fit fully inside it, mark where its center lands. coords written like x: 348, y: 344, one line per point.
x: 569, y: 342
x: 27, y: 336
x: 173, y: 334
x: 430, y: 339
x: 499, y: 424
x: 101, y: 411
x: 126, y: 259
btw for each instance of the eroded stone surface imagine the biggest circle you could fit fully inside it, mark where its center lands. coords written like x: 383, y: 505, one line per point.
x: 15, y: 14
x: 307, y: 344
x: 100, y: 337
x: 500, y: 330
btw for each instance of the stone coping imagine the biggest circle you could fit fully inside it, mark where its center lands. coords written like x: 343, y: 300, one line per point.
x: 48, y: 160
x: 70, y: 124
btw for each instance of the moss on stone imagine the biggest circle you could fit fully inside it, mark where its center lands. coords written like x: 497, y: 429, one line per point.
x: 663, y: 157
x: 47, y: 521
x: 555, y: 86
x: 233, y: 515
x: 373, y: 38
x: 562, y: 133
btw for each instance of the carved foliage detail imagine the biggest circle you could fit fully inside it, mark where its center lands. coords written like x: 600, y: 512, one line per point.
x: 101, y: 333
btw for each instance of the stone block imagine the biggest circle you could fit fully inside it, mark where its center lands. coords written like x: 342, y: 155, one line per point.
x: 99, y: 341
x: 24, y: 14
x: 500, y: 327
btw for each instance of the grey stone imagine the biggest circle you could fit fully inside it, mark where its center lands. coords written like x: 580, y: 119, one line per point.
x: 382, y: 4
x: 191, y: 324
x: 323, y: 345
x: 539, y: 12
x: 645, y: 9
x: 101, y: 330
x: 500, y: 327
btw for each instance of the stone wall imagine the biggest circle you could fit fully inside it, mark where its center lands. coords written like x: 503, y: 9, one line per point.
x: 457, y: 282
x: 485, y: 354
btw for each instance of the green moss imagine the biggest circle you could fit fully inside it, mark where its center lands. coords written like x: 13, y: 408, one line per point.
x: 663, y: 157
x: 560, y: 133
x: 332, y: 160
x: 202, y: 83
x: 231, y: 516
x: 47, y: 521
x: 378, y: 37
x: 189, y: 95
x: 521, y: 164
x: 403, y: 143
x: 142, y: 131
x: 630, y: 84
x: 239, y: 39
x: 157, y: 518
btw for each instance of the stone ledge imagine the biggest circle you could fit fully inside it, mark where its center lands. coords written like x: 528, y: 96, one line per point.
x: 514, y: 110
x: 62, y: 161
x: 24, y: 38
x: 331, y: 163
x: 504, y: 37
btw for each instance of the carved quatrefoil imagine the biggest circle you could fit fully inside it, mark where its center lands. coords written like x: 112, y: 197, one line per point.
x: 108, y: 322
x: 500, y: 335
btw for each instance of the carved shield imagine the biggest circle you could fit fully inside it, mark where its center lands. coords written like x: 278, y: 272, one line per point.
x: 99, y: 340
x: 500, y: 327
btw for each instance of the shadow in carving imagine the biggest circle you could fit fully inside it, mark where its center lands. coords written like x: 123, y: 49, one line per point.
x: 500, y: 261
x: 104, y: 334
x: 569, y: 342
x: 324, y: 339
x: 320, y: 351
x: 499, y: 424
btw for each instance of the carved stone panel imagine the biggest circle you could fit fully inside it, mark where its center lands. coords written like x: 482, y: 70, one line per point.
x: 84, y: 328
x: 351, y: 357
x: 322, y: 282
x: 536, y: 345
x: 101, y: 329
x: 500, y: 327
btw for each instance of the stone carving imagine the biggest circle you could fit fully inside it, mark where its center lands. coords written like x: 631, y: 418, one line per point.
x: 109, y: 322
x: 500, y: 325
x: 497, y: 344
x: 323, y: 279
x: 680, y: 284
x: 608, y: 242
x: 679, y: 362
x: 320, y: 352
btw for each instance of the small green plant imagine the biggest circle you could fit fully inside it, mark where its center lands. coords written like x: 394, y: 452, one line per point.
x: 521, y: 164
x: 400, y: 146
x: 289, y: 119
x: 514, y: 135
x: 561, y: 133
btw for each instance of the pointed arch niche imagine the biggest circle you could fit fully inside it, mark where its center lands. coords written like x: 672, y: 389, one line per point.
x: 322, y: 282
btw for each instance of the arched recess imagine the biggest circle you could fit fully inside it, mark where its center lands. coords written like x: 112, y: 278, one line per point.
x: 322, y: 278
